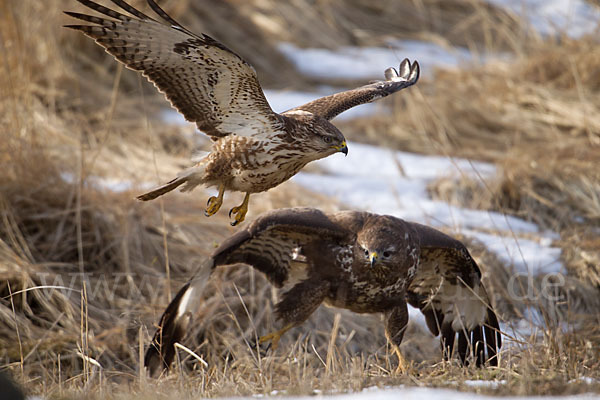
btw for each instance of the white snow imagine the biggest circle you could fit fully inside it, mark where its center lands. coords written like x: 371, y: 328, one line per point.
x: 524, y: 255
x: 171, y: 116
x: 549, y: 17
x: 413, y: 393
x: 482, y: 383
x: 585, y: 379
x: 112, y: 184
x: 424, y: 393
x: 349, y: 62
x: 395, y: 183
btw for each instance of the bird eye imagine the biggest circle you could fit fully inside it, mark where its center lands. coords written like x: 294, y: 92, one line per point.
x: 386, y: 254
x: 366, y: 252
x: 327, y: 139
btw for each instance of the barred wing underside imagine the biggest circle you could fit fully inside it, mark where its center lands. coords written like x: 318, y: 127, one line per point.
x: 330, y: 106
x: 447, y: 288
x: 268, y: 244
x: 204, y: 80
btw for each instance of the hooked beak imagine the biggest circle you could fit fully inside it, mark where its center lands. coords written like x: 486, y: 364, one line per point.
x: 373, y: 258
x: 342, y: 148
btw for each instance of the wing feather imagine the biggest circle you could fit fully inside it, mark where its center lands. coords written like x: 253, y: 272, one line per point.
x: 209, y: 84
x: 330, y: 106
x: 268, y: 244
x: 447, y: 288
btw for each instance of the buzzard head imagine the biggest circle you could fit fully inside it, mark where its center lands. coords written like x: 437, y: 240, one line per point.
x: 319, y: 136
x: 386, y: 245
x: 326, y: 139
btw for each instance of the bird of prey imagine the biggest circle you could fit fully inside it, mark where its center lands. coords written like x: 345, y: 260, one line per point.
x: 254, y: 148
x: 363, y: 262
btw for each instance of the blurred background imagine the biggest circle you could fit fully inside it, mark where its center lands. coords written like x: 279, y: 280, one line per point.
x: 498, y: 144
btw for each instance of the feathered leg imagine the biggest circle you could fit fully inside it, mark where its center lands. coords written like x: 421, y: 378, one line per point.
x: 296, y: 306
x: 395, y: 324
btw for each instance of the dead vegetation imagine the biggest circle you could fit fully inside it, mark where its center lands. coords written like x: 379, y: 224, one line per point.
x: 70, y: 117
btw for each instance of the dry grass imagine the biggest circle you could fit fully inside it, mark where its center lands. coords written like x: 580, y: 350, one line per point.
x: 69, y: 116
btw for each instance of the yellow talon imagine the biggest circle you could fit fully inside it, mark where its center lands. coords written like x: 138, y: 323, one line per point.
x: 274, y: 337
x: 403, y: 364
x: 240, y: 211
x: 214, y: 203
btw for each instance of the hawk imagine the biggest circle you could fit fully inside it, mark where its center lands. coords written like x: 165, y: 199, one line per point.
x: 363, y: 262
x: 254, y: 148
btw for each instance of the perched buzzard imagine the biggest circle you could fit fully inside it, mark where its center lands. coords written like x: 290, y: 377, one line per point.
x: 254, y: 147
x: 364, y: 262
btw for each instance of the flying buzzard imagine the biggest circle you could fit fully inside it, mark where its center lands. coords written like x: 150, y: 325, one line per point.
x: 254, y: 147
x: 360, y: 261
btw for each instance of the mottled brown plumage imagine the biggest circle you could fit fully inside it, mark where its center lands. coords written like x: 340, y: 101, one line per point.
x: 254, y: 148
x: 363, y: 262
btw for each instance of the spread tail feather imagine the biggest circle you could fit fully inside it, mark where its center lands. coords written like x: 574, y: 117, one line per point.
x: 167, y: 187
x: 192, y: 177
x: 175, y: 322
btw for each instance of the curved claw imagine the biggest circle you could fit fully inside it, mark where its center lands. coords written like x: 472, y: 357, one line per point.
x: 240, y: 211
x: 257, y: 346
x: 240, y: 215
x: 214, y: 203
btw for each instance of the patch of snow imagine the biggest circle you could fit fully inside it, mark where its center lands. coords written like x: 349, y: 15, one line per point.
x: 585, y: 379
x: 520, y: 332
x: 419, y: 393
x: 114, y: 185
x: 173, y: 117
x: 365, y: 159
x: 525, y: 255
x: 549, y: 17
x: 423, y: 393
x: 534, y: 316
x: 395, y: 183
x: 415, y: 316
x: 349, y: 62
x: 482, y: 383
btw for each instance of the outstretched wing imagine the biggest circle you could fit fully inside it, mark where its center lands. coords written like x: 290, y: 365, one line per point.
x: 204, y: 80
x: 330, y: 106
x: 268, y: 244
x: 447, y: 288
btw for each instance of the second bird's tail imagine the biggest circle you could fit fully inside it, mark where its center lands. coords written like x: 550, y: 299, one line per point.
x: 176, y: 321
